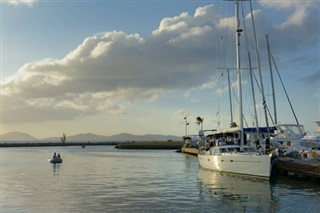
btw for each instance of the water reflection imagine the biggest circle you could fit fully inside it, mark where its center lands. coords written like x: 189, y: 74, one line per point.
x: 237, y: 193
x: 102, y: 179
x: 56, y: 169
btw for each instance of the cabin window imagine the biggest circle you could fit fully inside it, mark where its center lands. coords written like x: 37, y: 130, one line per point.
x: 248, y: 149
x: 232, y: 149
x: 224, y: 150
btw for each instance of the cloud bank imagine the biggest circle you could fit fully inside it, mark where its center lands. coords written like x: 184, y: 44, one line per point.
x: 106, y: 72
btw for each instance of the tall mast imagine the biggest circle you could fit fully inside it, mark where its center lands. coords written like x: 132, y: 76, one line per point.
x: 238, y: 34
x: 230, y: 100
x: 259, y: 68
x: 251, y: 76
x: 272, y: 83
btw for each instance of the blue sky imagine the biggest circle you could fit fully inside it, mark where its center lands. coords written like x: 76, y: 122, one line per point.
x: 108, y: 67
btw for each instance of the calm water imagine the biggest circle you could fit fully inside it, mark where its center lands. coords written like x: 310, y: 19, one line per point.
x: 103, y: 179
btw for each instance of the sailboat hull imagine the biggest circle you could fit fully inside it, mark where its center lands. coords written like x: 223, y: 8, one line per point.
x: 253, y: 165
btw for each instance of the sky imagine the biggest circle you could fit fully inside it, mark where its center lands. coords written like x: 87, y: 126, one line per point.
x: 141, y: 67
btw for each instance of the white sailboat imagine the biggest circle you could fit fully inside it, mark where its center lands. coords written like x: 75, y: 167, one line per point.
x: 225, y: 155
x: 227, y: 152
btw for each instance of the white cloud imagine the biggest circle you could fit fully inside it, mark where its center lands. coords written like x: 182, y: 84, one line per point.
x: 299, y: 8
x: 21, y: 2
x: 107, y: 72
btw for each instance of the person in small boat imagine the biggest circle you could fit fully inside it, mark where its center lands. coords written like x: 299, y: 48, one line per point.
x: 59, y: 157
x: 54, y: 155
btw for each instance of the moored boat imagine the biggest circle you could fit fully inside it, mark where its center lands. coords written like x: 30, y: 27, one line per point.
x: 232, y: 159
x: 294, y: 144
x: 227, y: 150
x: 225, y: 154
x: 190, y: 145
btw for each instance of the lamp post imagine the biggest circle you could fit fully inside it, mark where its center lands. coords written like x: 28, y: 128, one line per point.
x: 186, y: 125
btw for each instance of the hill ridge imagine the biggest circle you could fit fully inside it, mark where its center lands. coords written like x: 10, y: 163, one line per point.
x: 21, y: 136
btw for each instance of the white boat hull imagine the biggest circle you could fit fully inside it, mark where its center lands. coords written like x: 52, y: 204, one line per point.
x: 253, y: 165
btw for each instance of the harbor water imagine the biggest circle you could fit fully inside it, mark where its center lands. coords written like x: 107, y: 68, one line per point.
x: 104, y: 179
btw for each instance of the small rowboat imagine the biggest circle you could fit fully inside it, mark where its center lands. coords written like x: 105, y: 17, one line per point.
x: 56, y: 160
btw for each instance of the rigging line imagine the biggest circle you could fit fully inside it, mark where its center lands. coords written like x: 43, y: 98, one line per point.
x: 218, y: 110
x: 259, y: 67
x: 222, y: 55
x: 220, y: 52
x: 244, y: 117
x: 224, y: 41
x: 230, y: 98
x: 268, y: 110
x: 294, y: 114
x: 220, y: 48
x: 272, y: 81
x: 265, y: 105
x: 250, y: 74
x: 226, y: 36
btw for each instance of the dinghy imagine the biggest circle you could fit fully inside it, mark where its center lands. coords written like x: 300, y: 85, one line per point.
x: 56, y: 160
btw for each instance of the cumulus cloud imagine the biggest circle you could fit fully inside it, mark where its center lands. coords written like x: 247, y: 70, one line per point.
x: 299, y: 10
x: 106, y: 72
x: 300, y: 14
x: 21, y: 2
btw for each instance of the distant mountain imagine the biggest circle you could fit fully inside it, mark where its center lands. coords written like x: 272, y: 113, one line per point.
x: 51, y: 139
x: 148, y: 137
x: 87, y: 137
x: 119, y: 137
x: 17, y: 136
x: 125, y: 137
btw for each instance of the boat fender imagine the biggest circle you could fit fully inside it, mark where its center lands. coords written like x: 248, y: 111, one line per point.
x: 314, y: 154
x: 305, y: 155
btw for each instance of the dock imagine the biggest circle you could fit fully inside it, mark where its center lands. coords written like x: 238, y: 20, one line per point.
x: 191, y: 151
x: 297, y: 167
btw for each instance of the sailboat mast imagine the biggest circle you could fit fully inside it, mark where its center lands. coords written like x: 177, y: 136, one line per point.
x: 230, y: 100
x: 251, y: 76
x: 259, y: 68
x: 272, y: 83
x: 238, y: 34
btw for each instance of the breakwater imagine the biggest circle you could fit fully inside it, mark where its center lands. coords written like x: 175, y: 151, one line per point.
x: 43, y: 144
x: 151, y: 145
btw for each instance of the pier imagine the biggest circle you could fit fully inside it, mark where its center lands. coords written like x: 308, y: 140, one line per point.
x: 297, y: 167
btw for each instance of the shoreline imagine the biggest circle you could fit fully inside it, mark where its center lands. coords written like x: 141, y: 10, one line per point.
x: 46, y: 144
x: 151, y: 145
x: 118, y: 145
